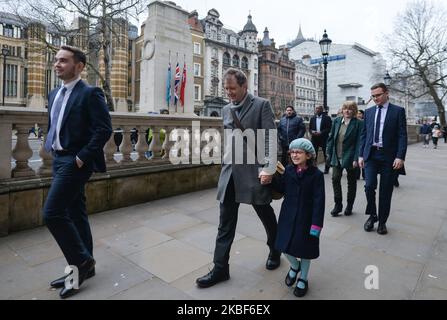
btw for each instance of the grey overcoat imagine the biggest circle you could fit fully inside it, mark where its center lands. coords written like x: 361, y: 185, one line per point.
x: 256, y: 113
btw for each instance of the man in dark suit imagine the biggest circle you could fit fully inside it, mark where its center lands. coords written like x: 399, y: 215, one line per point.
x: 319, y: 128
x: 243, y: 182
x: 79, y: 127
x: 383, y: 146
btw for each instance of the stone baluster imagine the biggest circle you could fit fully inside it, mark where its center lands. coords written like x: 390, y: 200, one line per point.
x: 126, y: 145
x: 109, y: 151
x: 141, y: 147
x: 155, y: 146
x: 5, y: 146
x: 22, y: 152
x: 167, y: 145
x: 47, y: 159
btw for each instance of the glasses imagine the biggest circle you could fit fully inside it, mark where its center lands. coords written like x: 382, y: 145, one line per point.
x: 375, y: 96
x: 295, y: 152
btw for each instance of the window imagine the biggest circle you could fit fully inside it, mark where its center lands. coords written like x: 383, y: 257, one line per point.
x: 197, y: 92
x: 350, y: 98
x: 197, y: 48
x: 11, y: 80
x: 244, y: 64
x: 226, y: 58
x: 256, y: 79
x: 8, y: 30
x: 256, y: 63
x: 197, y: 70
x: 236, y: 60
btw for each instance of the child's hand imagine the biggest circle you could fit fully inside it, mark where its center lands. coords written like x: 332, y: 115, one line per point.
x: 315, y: 231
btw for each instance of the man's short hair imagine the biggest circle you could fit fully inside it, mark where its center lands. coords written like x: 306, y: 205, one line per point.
x: 78, y: 54
x: 240, y: 77
x: 291, y: 107
x: 380, y: 85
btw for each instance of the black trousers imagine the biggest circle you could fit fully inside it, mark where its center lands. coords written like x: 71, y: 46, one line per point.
x: 379, y: 165
x: 227, y: 226
x: 285, y: 155
x: 321, y: 143
x: 65, y: 211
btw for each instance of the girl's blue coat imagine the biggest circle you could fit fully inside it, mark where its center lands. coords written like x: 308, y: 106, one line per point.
x: 302, y: 207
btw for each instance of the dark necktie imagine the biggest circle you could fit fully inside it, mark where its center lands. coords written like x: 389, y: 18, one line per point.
x: 57, y: 105
x: 377, y: 131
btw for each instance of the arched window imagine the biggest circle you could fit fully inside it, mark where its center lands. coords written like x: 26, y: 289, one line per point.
x: 244, y: 64
x: 236, y: 60
x: 226, y: 58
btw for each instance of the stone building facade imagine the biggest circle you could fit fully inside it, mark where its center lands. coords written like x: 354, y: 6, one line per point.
x: 308, y: 87
x: 32, y: 46
x: 225, y: 48
x: 276, y: 75
x: 198, y: 39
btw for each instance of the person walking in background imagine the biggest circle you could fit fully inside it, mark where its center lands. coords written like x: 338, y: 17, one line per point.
x: 291, y: 127
x: 245, y: 182
x: 383, y: 148
x: 435, y: 135
x: 319, y: 127
x: 342, y: 152
x: 79, y: 127
x: 425, y: 133
x: 302, y: 213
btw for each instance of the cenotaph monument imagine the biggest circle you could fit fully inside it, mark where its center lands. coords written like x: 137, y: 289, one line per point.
x: 167, y: 40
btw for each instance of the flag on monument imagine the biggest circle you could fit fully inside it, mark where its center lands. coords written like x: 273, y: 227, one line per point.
x: 176, y: 83
x: 182, y: 87
x: 168, y: 85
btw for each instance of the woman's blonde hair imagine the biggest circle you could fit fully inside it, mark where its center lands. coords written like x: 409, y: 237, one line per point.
x: 350, y: 105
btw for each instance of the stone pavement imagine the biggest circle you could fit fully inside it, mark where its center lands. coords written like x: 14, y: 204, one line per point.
x: 157, y: 250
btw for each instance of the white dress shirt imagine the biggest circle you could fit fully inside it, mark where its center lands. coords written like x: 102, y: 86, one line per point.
x: 318, y: 123
x: 382, y: 122
x: 69, y: 86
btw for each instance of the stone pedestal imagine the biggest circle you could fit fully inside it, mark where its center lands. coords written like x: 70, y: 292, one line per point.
x: 167, y: 37
x: 36, y: 102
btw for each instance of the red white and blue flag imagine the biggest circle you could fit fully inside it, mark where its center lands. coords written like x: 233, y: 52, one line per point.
x: 176, y: 84
x: 182, y: 87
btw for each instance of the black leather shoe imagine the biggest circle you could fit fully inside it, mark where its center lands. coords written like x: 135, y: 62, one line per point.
x: 289, y: 280
x: 86, y: 267
x: 337, y: 209
x: 213, y: 277
x: 348, y: 210
x: 381, y: 229
x: 369, y: 224
x: 396, y: 184
x: 59, y: 283
x: 273, y: 260
x: 301, y: 292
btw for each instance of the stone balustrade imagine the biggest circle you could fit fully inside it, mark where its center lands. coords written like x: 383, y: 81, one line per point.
x: 14, y: 162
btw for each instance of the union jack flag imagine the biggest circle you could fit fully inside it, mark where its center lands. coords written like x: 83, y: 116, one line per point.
x: 177, y: 79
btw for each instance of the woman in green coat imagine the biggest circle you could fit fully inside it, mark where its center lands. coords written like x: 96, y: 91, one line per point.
x: 342, y: 152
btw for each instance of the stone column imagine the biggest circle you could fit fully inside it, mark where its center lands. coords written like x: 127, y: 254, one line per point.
x: 126, y: 145
x: 109, y: 151
x: 5, y: 146
x: 22, y: 152
x: 47, y: 159
x: 141, y: 147
x: 155, y: 146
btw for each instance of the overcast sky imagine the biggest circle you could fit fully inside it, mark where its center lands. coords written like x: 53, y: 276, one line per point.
x: 346, y: 21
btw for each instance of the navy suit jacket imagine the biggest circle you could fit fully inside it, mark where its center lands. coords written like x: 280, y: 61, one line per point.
x: 325, y: 128
x: 394, y: 133
x: 86, y: 125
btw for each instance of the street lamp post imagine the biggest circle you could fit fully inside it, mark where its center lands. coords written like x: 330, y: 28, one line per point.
x: 5, y: 52
x: 387, y: 79
x: 325, y: 45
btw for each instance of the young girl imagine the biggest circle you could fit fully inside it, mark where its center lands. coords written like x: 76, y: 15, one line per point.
x: 302, y: 213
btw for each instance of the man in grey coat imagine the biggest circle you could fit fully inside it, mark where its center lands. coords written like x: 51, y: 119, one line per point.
x: 242, y: 180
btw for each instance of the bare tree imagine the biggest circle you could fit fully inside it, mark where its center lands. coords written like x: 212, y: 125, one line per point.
x: 418, y: 51
x: 94, y: 35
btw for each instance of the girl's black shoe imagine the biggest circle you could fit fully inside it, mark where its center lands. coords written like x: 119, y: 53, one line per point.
x: 301, y: 292
x: 289, y: 280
